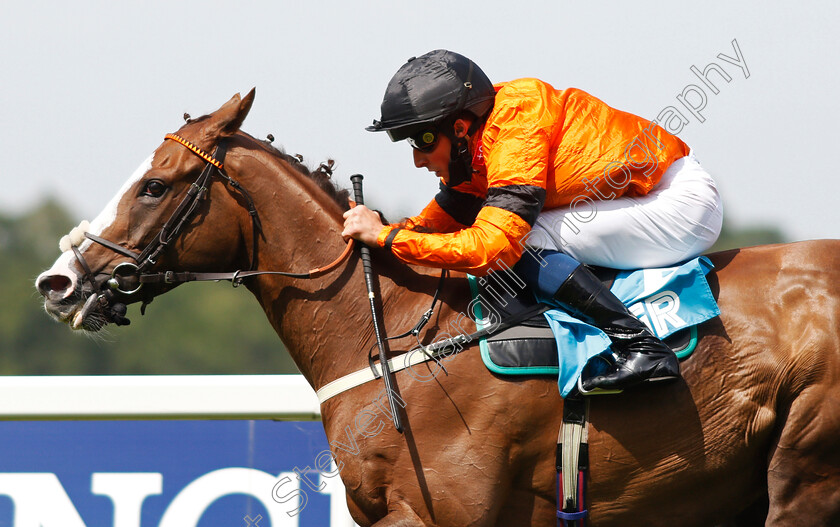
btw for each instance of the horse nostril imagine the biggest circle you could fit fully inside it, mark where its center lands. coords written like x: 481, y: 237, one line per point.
x: 54, y: 286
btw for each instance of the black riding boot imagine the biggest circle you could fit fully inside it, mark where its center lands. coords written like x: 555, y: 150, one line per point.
x: 642, y: 357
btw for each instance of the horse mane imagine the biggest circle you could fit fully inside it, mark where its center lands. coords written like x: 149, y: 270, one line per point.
x: 321, y: 176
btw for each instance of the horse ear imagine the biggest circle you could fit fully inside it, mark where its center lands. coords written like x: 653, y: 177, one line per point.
x: 227, y: 119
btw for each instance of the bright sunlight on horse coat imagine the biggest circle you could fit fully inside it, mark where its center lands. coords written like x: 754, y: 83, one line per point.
x: 749, y: 436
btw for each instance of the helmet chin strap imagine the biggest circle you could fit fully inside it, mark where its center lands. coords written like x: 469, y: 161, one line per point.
x: 460, y: 163
x: 460, y: 158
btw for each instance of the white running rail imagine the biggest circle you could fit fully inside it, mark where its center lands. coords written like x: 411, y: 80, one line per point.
x: 281, y: 397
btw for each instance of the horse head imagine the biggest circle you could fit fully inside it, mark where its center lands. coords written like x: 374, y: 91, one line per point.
x: 164, y: 204
x: 744, y: 418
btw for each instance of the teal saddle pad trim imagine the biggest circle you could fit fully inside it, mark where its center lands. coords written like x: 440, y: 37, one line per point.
x: 554, y: 371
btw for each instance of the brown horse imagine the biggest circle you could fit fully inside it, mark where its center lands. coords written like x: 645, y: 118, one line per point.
x: 751, y: 435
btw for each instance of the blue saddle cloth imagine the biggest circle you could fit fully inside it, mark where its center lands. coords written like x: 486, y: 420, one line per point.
x: 665, y: 299
x: 668, y: 300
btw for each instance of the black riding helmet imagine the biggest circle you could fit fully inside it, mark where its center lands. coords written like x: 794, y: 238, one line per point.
x: 428, y: 89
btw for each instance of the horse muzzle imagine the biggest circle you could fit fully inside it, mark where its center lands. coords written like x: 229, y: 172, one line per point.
x: 88, y: 302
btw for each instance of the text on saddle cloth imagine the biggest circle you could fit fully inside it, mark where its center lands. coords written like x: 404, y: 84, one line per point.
x: 667, y: 300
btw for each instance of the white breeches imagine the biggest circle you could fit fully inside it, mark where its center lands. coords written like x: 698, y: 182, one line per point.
x: 677, y: 220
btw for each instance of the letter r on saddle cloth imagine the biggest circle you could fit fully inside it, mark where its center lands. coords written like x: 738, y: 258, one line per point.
x: 665, y: 299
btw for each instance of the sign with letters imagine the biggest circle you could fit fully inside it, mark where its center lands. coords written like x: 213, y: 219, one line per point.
x: 165, y: 474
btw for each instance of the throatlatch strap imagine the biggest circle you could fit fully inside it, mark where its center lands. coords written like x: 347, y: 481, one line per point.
x: 572, y: 460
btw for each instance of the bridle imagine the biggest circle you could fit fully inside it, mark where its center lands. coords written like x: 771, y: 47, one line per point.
x: 180, y: 217
x: 185, y: 210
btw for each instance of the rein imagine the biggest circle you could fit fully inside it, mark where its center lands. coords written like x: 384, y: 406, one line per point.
x: 180, y: 217
x: 236, y: 277
x: 172, y: 228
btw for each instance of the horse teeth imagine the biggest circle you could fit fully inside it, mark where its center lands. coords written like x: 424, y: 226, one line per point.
x: 87, y: 308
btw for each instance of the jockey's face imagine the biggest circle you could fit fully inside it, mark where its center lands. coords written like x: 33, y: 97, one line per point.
x: 437, y: 160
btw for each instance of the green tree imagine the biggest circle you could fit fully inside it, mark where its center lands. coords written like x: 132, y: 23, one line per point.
x: 198, y: 328
x: 195, y: 329
x: 733, y: 238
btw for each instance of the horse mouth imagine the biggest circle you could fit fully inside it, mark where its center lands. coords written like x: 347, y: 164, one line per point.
x: 80, y: 313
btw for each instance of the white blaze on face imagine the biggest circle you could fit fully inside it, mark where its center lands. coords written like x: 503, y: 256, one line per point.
x: 62, y: 266
x: 109, y: 213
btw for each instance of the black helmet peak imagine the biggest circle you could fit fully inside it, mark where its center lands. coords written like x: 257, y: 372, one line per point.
x: 431, y: 88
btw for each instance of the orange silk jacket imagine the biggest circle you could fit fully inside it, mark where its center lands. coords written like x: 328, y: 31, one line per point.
x: 540, y: 148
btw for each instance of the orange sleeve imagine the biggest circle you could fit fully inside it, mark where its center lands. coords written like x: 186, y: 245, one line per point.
x: 517, y: 141
x: 432, y: 219
x: 494, y: 236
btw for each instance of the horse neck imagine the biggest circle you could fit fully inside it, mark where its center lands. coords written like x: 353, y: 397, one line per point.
x: 325, y: 323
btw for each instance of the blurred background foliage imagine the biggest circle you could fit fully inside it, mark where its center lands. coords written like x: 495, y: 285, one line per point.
x: 199, y: 328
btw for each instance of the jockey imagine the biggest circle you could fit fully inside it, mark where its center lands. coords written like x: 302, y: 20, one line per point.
x: 556, y: 174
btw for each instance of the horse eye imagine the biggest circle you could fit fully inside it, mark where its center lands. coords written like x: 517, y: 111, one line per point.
x: 154, y: 188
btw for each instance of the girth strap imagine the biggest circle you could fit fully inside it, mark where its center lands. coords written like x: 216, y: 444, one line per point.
x: 441, y: 348
x: 572, y: 462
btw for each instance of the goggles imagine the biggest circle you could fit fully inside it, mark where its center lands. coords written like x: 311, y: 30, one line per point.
x: 425, y: 140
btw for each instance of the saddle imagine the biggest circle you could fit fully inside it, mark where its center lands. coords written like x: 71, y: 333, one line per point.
x: 530, y: 347
x: 527, y: 345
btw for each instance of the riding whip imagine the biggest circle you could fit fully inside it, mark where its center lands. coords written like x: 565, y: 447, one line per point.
x: 387, y: 376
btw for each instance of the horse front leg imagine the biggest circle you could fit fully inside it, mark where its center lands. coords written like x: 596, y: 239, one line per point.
x: 399, y: 515
x: 402, y: 516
